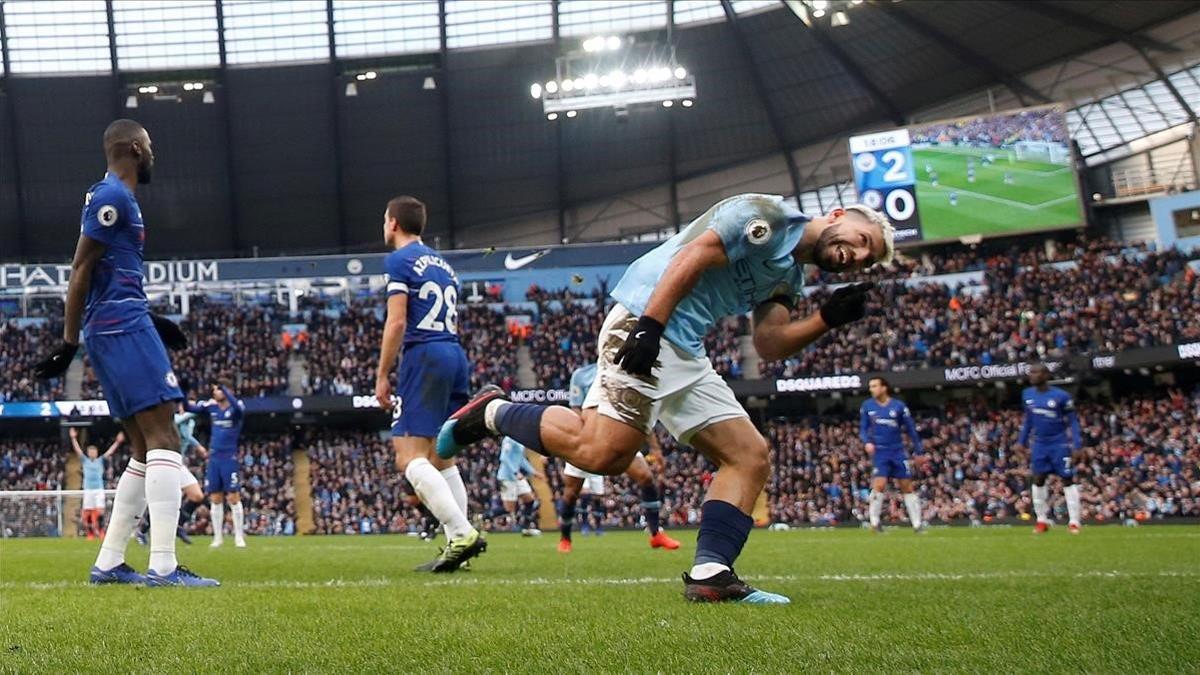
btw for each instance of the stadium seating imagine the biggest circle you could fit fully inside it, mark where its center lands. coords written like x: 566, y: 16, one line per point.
x: 1115, y: 296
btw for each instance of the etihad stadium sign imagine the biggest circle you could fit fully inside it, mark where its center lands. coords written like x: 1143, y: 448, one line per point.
x: 33, y: 276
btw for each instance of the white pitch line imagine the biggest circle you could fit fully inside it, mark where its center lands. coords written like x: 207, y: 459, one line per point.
x: 638, y: 581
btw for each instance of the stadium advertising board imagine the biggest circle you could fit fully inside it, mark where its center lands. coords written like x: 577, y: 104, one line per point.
x: 986, y: 175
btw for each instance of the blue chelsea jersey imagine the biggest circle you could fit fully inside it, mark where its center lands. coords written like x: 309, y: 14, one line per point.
x: 116, y: 302
x: 1049, y: 415
x: 885, y: 425
x: 226, y: 425
x: 431, y: 285
x: 759, y: 232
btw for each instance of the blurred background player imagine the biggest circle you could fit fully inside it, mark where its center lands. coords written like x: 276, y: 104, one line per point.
x: 515, y: 469
x: 93, y: 481
x: 1049, y: 413
x: 193, y: 496
x: 746, y: 253
x: 221, y: 481
x: 580, y: 485
x: 127, y: 346
x: 883, y: 421
x: 422, y: 316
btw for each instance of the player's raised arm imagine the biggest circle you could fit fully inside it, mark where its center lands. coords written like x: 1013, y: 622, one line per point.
x: 74, y: 434
x: 235, y: 404
x: 777, y: 336
x: 640, y: 351
x: 115, y: 444
x: 393, y: 336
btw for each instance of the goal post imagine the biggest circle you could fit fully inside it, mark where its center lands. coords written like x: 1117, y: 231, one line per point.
x: 1042, y: 151
x: 42, y: 513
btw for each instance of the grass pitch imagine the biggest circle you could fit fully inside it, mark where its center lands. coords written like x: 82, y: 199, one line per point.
x: 985, y: 600
x: 1040, y: 195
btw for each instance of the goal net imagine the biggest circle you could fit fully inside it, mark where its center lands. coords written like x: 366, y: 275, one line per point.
x: 44, y: 513
x: 1042, y: 151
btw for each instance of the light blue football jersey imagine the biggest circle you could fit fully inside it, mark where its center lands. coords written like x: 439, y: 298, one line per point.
x: 759, y: 232
x: 581, y: 384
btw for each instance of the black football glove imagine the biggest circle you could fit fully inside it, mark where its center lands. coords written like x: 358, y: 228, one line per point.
x: 57, y: 363
x: 847, y: 304
x: 640, y: 351
x: 170, y: 332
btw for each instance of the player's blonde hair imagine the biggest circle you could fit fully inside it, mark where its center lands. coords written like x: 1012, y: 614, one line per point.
x: 885, y: 228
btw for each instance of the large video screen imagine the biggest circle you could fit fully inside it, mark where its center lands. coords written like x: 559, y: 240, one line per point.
x: 981, y: 175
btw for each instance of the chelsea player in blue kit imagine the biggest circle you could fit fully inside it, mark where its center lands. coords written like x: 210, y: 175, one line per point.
x: 127, y: 346
x: 221, y: 480
x: 1049, y: 416
x: 433, y: 380
x: 745, y: 254
x: 883, y: 421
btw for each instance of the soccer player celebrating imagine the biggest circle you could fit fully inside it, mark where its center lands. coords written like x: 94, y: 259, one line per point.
x: 1049, y: 413
x: 221, y: 480
x: 514, y: 487
x: 422, y: 316
x: 578, y: 483
x: 880, y: 420
x: 93, y: 481
x: 126, y: 345
x: 745, y: 253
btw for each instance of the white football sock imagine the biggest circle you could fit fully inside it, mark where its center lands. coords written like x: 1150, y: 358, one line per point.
x: 458, y: 489
x: 706, y: 570
x: 128, y: 506
x: 1041, y: 507
x: 218, y: 521
x: 162, y: 499
x: 239, y: 525
x: 490, y: 412
x: 876, y: 507
x: 913, y: 504
x: 435, y: 493
x: 1074, y: 508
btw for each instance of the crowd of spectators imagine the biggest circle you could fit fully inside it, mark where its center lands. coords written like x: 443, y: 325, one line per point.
x: 1110, y: 296
x: 564, y: 339
x: 1102, y: 303
x: 996, y: 130
x: 20, y: 348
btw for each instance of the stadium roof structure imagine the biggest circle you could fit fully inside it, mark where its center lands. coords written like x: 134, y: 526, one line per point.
x: 282, y: 127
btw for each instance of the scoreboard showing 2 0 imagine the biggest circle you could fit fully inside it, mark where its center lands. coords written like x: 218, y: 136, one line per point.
x: 884, y: 176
